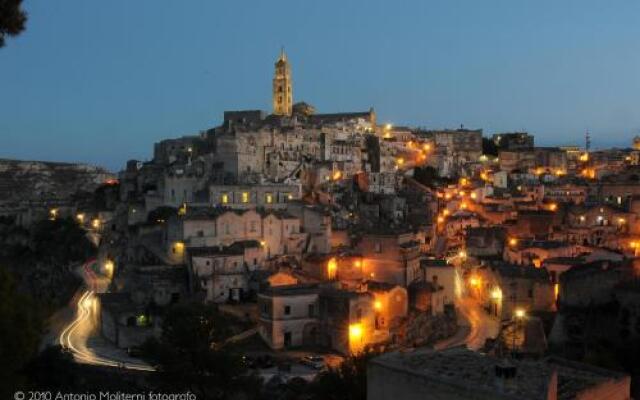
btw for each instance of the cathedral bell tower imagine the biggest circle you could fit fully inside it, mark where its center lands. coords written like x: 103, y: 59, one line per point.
x: 282, y: 90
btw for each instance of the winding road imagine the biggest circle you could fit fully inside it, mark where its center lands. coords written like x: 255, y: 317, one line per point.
x: 475, y: 327
x: 76, y: 335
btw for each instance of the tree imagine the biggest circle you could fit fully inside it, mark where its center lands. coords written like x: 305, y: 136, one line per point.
x: 20, y: 334
x: 52, y: 369
x: 12, y: 19
x: 489, y: 148
x: 189, y: 357
x: 346, y: 382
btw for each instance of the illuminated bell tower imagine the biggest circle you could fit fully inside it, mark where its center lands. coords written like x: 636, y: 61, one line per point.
x: 282, y: 90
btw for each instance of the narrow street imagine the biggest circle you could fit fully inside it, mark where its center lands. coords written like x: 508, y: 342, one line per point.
x: 81, y: 337
x: 475, y: 326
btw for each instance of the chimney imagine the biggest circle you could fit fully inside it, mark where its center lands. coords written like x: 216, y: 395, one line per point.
x: 505, y: 375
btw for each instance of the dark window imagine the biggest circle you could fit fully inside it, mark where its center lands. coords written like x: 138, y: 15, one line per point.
x: 175, y: 297
x: 287, y: 310
x: 311, y: 310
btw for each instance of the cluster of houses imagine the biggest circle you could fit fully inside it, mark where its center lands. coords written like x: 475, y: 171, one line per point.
x: 336, y: 227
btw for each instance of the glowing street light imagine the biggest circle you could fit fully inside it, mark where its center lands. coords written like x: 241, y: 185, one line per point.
x: 109, y: 267
x: 80, y: 217
x: 513, y: 242
x: 377, y: 305
x: 355, y: 331
x: 520, y: 313
x: 332, y: 268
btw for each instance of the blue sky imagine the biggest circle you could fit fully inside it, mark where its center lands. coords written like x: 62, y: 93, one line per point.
x: 100, y: 82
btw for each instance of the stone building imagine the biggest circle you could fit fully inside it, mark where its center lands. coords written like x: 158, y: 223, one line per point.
x: 440, y: 274
x: 276, y: 231
x: 224, y: 273
x: 316, y: 315
x: 513, y: 141
x: 268, y: 196
x: 505, y: 288
x: 466, y: 375
x: 282, y: 86
x: 390, y: 256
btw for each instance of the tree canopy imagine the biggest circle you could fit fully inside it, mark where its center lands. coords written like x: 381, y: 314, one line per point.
x: 12, y: 19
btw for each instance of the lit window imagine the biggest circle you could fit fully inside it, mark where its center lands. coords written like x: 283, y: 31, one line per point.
x: 225, y: 198
x: 245, y: 197
x: 269, y: 198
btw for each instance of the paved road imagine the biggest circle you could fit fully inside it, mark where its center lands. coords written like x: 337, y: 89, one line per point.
x: 80, y: 335
x: 475, y: 327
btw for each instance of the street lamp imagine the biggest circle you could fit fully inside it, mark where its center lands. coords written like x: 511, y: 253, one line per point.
x: 109, y: 267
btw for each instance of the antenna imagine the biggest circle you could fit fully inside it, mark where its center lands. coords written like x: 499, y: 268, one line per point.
x: 587, y: 141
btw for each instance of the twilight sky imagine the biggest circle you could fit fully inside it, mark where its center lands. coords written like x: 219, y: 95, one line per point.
x: 101, y: 81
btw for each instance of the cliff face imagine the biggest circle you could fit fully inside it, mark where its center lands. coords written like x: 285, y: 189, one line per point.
x: 37, y: 180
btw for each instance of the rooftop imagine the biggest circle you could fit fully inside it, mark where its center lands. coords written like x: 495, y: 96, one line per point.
x: 471, y: 371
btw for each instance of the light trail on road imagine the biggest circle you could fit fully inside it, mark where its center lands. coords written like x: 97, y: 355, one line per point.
x: 74, y: 336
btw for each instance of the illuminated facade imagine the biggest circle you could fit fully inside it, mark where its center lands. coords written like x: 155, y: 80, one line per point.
x: 282, y: 87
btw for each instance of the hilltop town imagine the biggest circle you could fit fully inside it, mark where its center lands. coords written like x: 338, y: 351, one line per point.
x: 326, y: 235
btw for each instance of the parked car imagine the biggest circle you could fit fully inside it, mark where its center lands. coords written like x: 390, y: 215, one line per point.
x: 315, y: 362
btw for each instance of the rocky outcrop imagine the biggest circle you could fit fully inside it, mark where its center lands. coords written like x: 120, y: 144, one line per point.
x: 422, y: 329
x: 24, y: 181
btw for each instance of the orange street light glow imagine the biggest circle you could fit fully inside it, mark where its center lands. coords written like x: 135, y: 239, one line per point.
x: 355, y: 331
x: 377, y: 305
x: 513, y: 242
x: 332, y: 268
